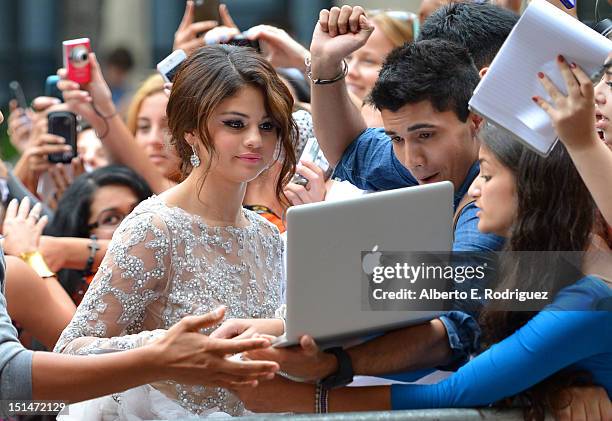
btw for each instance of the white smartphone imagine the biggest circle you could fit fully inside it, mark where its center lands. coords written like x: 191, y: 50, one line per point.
x: 313, y: 153
x: 168, y: 66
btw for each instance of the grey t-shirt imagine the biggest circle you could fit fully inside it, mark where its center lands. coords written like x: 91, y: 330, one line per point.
x: 15, y: 360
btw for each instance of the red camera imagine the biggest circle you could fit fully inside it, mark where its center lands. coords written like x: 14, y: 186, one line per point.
x: 76, y: 60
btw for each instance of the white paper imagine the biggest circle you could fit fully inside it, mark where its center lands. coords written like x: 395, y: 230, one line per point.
x: 504, y: 94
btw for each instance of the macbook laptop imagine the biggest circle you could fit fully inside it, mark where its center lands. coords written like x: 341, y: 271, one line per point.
x: 324, y: 267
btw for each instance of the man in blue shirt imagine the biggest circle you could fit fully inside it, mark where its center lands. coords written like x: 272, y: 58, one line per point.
x: 429, y: 136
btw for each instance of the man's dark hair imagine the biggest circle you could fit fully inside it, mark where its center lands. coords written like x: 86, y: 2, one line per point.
x: 438, y: 71
x: 121, y: 58
x: 482, y: 28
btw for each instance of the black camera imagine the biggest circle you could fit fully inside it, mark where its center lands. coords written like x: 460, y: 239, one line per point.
x: 241, y: 41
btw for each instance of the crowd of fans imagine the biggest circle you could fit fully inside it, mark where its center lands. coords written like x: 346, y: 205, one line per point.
x: 161, y: 245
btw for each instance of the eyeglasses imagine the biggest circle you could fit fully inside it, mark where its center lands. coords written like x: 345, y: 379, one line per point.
x: 108, y: 220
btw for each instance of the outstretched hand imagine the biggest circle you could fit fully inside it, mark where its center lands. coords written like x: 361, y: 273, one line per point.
x: 189, y: 356
x: 572, y: 115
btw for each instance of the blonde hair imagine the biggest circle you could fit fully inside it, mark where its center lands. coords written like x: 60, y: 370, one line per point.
x: 152, y: 85
x: 398, y: 31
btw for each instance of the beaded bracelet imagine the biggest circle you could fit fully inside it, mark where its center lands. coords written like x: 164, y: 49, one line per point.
x: 321, y: 399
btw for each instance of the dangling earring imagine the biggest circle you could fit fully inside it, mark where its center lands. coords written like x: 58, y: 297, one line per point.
x: 195, y: 159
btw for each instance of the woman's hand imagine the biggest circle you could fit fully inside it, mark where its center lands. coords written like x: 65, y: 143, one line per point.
x: 19, y: 126
x: 585, y: 403
x: 572, y: 116
x: 312, y: 192
x: 246, y: 328
x: 62, y: 181
x: 22, y: 227
x: 187, y: 356
x: 188, y: 36
x: 278, y: 47
x: 82, y: 99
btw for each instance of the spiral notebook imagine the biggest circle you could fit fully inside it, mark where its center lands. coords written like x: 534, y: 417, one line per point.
x: 504, y: 94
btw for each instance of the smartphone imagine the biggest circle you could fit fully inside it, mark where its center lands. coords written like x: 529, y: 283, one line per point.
x: 17, y: 94
x: 51, y: 88
x: 206, y: 10
x: 64, y: 124
x: 312, y: 152
x: 76, y: 60
x: 170, y: 65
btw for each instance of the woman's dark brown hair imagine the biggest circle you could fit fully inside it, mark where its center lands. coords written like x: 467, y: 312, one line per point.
x: 209, y: 76
x: 555, y: 215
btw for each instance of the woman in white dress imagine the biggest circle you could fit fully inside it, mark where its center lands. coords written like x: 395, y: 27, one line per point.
x: 194, y: 247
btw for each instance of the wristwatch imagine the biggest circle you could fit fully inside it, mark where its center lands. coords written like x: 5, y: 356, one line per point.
x: 344, y: 374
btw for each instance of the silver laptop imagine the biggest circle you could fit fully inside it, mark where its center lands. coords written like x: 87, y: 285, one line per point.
x: 324, y: 245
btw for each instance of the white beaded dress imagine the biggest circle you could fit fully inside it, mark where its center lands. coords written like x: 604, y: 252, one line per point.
x: 161, y: 265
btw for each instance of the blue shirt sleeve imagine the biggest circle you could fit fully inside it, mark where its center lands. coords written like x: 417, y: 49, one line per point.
x: 463, y: 338
x: 561, y: 335
x: 467, y: 236
x: 370, y: 164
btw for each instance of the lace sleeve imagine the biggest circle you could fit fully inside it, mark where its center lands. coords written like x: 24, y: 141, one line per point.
x: 126, y: 292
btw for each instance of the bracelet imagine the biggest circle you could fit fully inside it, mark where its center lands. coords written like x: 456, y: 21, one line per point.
x: 321, y: 399
x: 338, y: 77
x: 35, y: 260
x: 93, y: 248
x: 105, y: 119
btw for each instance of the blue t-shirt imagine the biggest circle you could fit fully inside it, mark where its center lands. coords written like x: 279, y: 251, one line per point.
x: 370, y: 164
x: 568, y: 333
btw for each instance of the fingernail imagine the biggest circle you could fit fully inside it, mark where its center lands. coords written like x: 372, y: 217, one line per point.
x: 541, y: 75
x: 573, y: 65
x: 218, y: 311
x: 560, y: 58
x: 534, y: 98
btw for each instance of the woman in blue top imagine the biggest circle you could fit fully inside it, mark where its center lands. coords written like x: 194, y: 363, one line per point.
x: 539, y: 204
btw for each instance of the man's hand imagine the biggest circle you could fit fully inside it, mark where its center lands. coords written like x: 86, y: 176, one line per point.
x: 312, y: 192
x: 247, y: 328
x: 278, y: 395
x: 305, y: 361
x: 339, y: 33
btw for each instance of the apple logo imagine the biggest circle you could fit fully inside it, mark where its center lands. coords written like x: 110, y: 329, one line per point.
x: 371, y: 260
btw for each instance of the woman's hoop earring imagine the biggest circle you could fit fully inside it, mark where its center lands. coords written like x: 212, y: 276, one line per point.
x: 195, y: 159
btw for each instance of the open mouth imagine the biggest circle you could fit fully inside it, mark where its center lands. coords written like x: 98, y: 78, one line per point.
x: 428, y: 179
x: 601, y: 123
